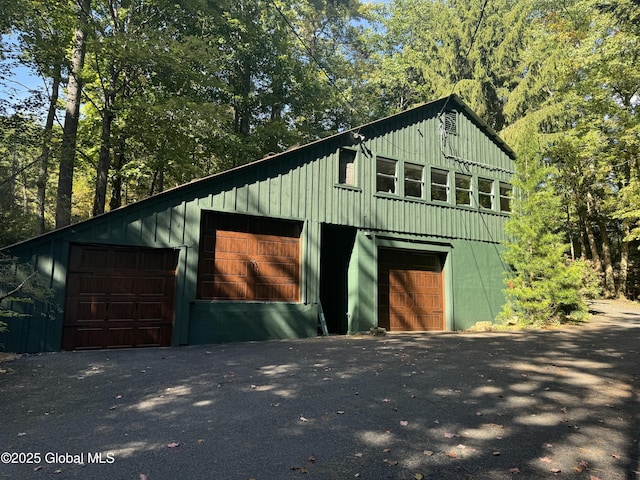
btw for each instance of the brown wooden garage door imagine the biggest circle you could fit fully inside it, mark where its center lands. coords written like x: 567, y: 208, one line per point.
x: 246, y: 258
x: 119, y: 297
x: 410, y: 291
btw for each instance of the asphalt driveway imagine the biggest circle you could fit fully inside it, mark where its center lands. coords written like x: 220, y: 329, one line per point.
x: 535, y: 405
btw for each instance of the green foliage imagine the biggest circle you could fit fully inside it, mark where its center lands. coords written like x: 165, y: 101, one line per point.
x: 544, y: 286
x: 21, y: 287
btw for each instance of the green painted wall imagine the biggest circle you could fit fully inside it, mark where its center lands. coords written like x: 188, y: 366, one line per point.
x: 220, y: 322
x: 479, y: 280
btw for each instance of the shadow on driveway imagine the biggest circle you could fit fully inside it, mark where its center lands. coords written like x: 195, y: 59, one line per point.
x: 526, y: 405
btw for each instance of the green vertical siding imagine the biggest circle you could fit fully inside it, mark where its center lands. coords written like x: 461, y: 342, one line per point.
x: 301, y: 185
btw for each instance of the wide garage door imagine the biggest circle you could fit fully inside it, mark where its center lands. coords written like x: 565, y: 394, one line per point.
x: 119, y: 297
x: 410, y: 291
x: 245, y: 258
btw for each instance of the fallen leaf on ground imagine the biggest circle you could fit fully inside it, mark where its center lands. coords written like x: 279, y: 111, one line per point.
x: 39, y: 467
x: 594, y: 478
x: 418, y: 476
x: 302, y: 419
x: 451, y: 454
x: 450, y: 435
x: 386, y: 450
x: 173, y: 445
x: 359, y: 454
x: 555, y: 470
x: 312, y: 458
x: 404, y: 423
x: 200, y: 440
x: 545, y: 459
x: 514, y: 470
x: 428, y: 453
x: 616, y: 456
x: 496, y: 453
x: 21, y: 434
x: 143, y: 477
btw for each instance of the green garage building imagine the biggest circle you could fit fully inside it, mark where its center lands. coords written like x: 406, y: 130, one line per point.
x: 396, y: 224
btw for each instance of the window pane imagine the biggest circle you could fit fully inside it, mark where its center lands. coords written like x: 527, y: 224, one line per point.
x: 463, y: 189
x: 386, y: 175
x: 505, y: 197
x: 413, y: 172
x: 485, y: 186
x: 439, y: 193
x: 388, y: 167
x: 439, y: 177
x: 485, y: 193
x: 346, y: 173
x: 413, y: 184
x: 439, y: 185
x: 413, y: 189
x: 463, y: 197
x: 386, y: 184
x: 486, y: 201
x: 463, y: 182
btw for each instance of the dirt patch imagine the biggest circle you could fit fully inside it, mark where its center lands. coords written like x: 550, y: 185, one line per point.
x: 4, y: 359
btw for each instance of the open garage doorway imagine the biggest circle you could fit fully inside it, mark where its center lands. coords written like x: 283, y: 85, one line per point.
x: 335, y: 251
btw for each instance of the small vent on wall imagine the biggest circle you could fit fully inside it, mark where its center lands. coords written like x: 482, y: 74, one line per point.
x: 451, y: 123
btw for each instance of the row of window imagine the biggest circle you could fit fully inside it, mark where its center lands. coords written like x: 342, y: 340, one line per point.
x: 411, y: 180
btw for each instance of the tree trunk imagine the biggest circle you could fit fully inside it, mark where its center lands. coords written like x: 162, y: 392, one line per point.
x: 593, y: 246
x: 44, y: 153
x: 72, y: 114
x: 624, y: 260
x: 116, y: 180
x: 104, y: 158
x: 609, y: 280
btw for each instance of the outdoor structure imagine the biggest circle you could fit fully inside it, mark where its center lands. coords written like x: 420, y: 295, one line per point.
x: 395, y: 224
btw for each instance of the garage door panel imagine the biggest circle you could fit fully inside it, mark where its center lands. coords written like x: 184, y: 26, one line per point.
x: 125, y: 260
x: 88, y: 258
x: 89, y: 285
x: 225, y: 266
x: 151, y: 286
x: 226, y: 290
x: 82, y: 311
x: 109, y: 306
x: 429, y: 322
x: 273, y: 291
x: 280, y: 270
x: 227, y: 242
x: 83, y: 339
x: 122, y: 285
x: 123, y: 337
x: 151, y: 312
x: 121, y: 311
x: 277, y: 247
x: 151, y: 337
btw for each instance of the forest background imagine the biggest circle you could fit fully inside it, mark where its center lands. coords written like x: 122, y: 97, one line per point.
x: 138, y: 96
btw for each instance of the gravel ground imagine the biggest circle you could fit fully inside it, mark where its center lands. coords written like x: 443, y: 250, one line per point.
x: 559, y: 404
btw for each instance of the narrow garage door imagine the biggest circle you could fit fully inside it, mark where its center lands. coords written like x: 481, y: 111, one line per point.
x: 410, y: 291
x: 119, y: 297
